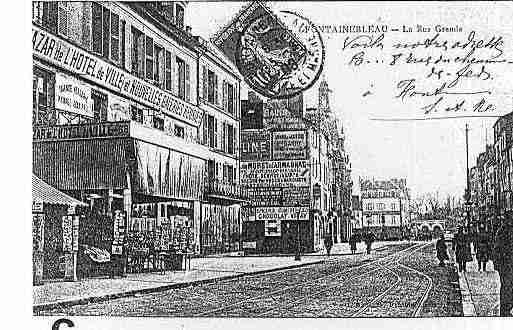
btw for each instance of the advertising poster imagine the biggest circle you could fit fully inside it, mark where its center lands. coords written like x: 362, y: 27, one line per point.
x: 67, y: 233
x: 284, y: 173
x: 272, y: 228
x: 73, y: 96
x: 289, y: 145
x: 255, y: 145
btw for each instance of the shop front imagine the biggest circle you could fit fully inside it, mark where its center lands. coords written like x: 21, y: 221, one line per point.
x: 55, y: 223
x: 143, y: 199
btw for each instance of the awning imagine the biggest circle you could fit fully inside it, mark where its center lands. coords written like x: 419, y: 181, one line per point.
x: 43, y: 192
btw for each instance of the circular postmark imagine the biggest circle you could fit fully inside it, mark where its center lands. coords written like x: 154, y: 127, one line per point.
x: 280, y: 56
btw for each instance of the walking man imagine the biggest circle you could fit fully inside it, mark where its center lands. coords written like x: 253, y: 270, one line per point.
x: 369, y: 239
x: 483, y: 248
x: 328, y: 243
x: 352, y: 243
x: 503, y: 262
x: 461, y: 245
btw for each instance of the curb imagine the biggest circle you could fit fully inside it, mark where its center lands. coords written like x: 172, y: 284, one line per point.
x: 95, y: 299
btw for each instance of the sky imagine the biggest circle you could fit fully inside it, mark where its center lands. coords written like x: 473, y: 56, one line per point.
x: 430, y: 154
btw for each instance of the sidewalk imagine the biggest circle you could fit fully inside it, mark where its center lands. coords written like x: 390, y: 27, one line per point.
x: 203, y: 270
x: 479, y: 290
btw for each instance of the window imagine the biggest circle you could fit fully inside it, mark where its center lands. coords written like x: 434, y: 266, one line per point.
x: 381, y: 206
x: 42, y: 97
x: 393, y: 206
x: 393, y: 219
x: 179, y: 16
x: 228, y: 96
x: 99, y: 106
x: 212, y: 87
x: 369, y: 206
x: 137, y: 53
x: 211, y: 135
x: 230, y: 139
x: 169, y: 69
x: 158, y: 123
x: 179, y: 131
x: 106, y: 33
x: 149, y: 58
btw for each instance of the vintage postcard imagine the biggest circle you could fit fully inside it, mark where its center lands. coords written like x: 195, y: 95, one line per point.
x: 271, y: 160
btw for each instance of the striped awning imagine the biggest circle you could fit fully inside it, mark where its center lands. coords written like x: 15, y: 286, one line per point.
x: 43, y: 192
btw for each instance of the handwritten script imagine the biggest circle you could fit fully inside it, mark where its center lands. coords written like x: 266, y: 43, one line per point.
x: 437, y: 74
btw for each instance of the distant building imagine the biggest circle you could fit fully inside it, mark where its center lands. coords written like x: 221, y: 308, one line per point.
x: 385, y: 207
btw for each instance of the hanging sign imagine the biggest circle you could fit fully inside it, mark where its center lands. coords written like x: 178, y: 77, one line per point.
x: 282, y: 213
x: 67, y: 233
x: 272, y: 228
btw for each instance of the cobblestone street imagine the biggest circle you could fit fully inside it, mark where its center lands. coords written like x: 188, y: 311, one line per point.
x: 396, y: 281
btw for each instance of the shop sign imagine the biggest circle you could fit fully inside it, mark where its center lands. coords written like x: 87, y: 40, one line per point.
x: 255, y: 145
x: 37, y: 206
x: 289, y: 145
x: 61, y: 53
x: 282, y: 213
x: 284, y: 173
x: 272, y: 228
x: 38, y: 221
x: 67, y: 233
x: 249, y: 245
x: 73, y: 96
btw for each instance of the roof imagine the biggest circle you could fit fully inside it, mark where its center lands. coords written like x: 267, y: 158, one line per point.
x: 43, y: 192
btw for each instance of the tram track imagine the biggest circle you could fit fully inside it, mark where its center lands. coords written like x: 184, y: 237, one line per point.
x: 251, y: 308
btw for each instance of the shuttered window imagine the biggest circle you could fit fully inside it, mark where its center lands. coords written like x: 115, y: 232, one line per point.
x: 122, y: 46
x: 180, y: 65
x: 137, y: 53
x: 187, y: 82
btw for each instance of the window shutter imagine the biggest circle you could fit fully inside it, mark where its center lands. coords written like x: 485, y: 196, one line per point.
x: 205, y: 82
x: 176, y: 79
x: 162, y: 68
x: 96, y: 12
x: 216, y: 132
x: 205, y: 128
x: 223, y: 137
x: 236, y: 101
x: 86, y: 25
x: 106, y: 32
x: 62, y: 25
x: 114, y: 30
x: 235, y: 139
x: 141, y: 51
x: 128, y: 47
x: 225, y: 96
x: 216, y: 96
x: 187, y: 82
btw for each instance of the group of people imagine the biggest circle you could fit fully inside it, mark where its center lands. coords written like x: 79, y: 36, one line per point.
x: 368, y: 238
x: 498, y: 248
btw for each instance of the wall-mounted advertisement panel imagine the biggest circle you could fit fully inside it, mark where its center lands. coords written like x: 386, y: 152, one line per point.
x: 290, y: 145
x: 285, y: 173
x: 73, y: 96
x: 255, y: 145
x: 282, y: 213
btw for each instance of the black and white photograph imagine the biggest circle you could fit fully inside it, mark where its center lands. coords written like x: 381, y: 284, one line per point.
x: 270, y: 160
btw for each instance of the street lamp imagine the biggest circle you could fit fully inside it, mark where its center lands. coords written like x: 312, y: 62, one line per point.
x: 298, y: 239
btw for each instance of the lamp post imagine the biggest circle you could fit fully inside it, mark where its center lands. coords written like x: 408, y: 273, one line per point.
x: 298, y: 239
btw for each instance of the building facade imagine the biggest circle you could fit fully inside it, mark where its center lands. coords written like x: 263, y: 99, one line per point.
x: 141, y: 120
x: 294, y: 168
x: 385, y: 207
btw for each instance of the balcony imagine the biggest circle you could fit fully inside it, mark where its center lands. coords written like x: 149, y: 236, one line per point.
x: 226, y: 192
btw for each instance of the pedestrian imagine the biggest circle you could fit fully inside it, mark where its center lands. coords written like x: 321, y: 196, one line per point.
x: 352, y: 243
x: 461, y: 245
x: 503, y: 263
x: 482, y: 248
x: 441, y: 250
x: 369, y: 239
x: 328, y: 243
